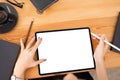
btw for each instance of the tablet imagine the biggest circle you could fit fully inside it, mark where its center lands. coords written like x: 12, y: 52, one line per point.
x: 66, y: 50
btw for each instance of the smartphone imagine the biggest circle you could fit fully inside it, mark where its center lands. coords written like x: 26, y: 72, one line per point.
x: 42, y: 5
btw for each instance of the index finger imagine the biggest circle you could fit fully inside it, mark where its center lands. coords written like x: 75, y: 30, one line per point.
x: 30, y: 43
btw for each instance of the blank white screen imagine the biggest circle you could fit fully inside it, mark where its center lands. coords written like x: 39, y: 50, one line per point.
x: 65, y: 51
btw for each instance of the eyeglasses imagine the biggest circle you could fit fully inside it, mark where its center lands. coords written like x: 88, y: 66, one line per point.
x: 18, y: 4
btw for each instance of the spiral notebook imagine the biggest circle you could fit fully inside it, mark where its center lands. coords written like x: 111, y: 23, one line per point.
x: 8, y: 56
x: 41, y: 5
x: 116, y: 37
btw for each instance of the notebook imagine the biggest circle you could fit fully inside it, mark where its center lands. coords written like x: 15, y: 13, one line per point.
x: 116, y: 37
x: 41, y: 5
x: 8, y: 55
x: 66, y: 50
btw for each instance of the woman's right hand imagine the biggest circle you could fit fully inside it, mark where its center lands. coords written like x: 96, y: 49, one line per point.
x: 101, y: 48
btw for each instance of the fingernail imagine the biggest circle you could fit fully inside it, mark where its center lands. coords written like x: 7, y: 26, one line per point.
x: 40, y: 38
x: 45, y: 59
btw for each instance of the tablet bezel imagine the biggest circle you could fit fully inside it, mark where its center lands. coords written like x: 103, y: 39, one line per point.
x: 70, y: 70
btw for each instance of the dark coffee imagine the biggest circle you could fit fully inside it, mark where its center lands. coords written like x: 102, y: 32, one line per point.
x: 3, y: 16
x: 8, y: 17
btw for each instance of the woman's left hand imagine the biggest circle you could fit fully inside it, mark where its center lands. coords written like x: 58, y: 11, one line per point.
x: 26, y: 58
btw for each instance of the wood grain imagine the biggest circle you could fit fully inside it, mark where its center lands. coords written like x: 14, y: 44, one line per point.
x: 99, y: 15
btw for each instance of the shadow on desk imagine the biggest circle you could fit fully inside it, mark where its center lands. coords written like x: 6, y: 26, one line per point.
x: 83, y: 75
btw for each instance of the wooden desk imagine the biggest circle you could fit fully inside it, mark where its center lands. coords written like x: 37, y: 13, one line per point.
x: 99, y: 15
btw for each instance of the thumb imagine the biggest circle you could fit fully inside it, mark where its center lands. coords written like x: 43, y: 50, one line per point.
x: 40, y: 61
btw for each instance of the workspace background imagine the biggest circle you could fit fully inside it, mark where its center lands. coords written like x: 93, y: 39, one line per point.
x: 100, y: 16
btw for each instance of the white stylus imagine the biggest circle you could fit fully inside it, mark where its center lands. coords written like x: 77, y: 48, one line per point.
x: 115, y: 47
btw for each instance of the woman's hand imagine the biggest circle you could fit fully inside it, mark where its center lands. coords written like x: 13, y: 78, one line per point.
x: 99, y: 59
x: 101, y: 48
x: 25, y: 59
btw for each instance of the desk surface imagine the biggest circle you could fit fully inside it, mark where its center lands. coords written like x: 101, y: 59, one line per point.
x: 99, y: 15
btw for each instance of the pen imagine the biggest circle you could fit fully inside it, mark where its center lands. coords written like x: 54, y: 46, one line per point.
x: 115, y: 47
x: 26, y: 39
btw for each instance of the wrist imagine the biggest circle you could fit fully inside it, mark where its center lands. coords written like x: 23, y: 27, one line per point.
x: 19, y: 72
x: 13, y: 77
x: 99, y: 60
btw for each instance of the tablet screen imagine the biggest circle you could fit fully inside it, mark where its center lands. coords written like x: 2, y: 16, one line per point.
x: 65, y: 50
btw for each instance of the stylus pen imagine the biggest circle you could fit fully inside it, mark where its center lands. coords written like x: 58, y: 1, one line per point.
x: 26, y: 39
x: 115, y: 47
